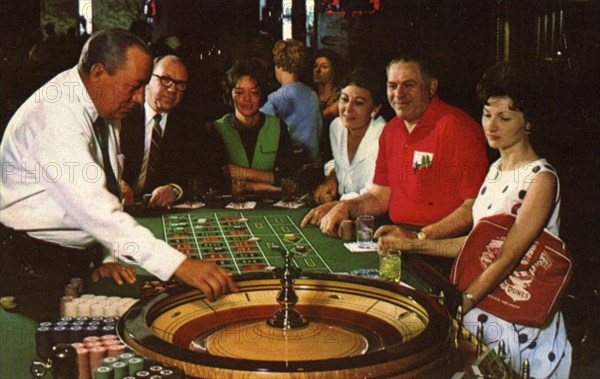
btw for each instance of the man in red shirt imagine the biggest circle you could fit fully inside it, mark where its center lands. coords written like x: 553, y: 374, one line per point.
x: 431, y: 163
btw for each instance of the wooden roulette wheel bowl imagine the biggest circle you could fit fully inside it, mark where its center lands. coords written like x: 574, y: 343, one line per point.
x: 357, y: 328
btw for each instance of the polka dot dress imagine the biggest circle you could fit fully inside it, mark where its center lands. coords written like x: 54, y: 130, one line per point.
x: 503, y: 191
x: 547, y: 349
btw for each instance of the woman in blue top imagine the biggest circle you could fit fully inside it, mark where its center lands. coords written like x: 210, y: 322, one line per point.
x: 295, y: 102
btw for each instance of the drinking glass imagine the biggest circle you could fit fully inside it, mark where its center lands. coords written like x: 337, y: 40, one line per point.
x: 364, y: 230
x: 390, y: 265
x: 288, y: 190
x: 238, y: 190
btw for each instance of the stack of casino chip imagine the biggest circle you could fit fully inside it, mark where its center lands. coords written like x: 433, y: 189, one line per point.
x: 94, y: 350
x: 131, y: 366
x: 100, y: 352
x: 95, y: 306
x: 74, y: 330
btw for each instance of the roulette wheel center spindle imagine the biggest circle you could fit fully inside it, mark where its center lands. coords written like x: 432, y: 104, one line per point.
x: 287, y: 317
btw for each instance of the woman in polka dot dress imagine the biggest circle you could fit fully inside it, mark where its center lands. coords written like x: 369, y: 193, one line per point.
x: 520, y: 183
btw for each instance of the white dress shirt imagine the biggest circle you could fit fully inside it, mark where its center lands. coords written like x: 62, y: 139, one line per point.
x: 53, y: 184
x: 354, y: 178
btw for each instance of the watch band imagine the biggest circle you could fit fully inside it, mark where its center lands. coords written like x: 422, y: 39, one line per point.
x: 421, y: 235
x: 178, y: 191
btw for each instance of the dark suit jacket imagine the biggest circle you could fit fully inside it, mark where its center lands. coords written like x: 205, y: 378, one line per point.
x: 185, y: 151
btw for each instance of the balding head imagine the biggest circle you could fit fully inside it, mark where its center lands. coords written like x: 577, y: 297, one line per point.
x: 114, y: 66
x: 167, y: 85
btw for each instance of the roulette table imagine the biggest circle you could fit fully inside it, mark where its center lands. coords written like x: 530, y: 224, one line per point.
x: 357, y: 326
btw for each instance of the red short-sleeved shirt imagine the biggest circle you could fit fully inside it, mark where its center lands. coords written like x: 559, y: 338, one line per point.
x: 432, y: 170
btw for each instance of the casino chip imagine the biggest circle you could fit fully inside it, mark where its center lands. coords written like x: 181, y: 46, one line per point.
x: 290, y: 237
x: 301, y: 249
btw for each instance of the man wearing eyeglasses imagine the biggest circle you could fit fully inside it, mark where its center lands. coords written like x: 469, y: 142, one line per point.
x: 156, y: 140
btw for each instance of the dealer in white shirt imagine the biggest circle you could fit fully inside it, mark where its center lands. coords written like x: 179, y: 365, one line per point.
x: 53, y: 186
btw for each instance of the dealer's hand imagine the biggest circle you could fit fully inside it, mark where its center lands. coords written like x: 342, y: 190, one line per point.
x: 119, y: 273
x: 208, y: 277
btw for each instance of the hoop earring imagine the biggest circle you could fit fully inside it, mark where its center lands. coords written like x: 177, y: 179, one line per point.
x: 528, y: 128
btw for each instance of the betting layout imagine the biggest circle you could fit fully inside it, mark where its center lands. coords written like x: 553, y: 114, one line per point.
x: 241, y: 243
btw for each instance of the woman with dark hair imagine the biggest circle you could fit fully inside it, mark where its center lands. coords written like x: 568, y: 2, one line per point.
x: 258, y: 146
x: 354, y: 137
x: 524, y: 188
x: 327, y: 76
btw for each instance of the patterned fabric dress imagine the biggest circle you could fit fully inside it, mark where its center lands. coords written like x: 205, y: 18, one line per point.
x: 547, y: 349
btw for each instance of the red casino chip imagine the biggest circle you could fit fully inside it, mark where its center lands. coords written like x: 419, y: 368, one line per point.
x: 253, y: 267
x: 182, y: 246
x: 216, y: 256
x: 244, y: 249
x: 228, y: 219
x: 243, y: 243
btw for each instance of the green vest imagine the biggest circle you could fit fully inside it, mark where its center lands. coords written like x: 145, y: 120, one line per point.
x: 267, y: 143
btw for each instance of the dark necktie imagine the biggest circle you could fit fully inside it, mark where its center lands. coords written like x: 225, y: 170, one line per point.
x: 101, y: 131
x: 154, y: 157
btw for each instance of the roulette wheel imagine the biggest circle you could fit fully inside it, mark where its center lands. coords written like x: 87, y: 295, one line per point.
x: 354, y: 327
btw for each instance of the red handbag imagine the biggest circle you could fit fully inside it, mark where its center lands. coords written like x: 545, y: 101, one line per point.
x: 531, y: 292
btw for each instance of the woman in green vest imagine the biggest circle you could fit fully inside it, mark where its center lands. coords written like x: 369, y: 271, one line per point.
x: 258, y: 145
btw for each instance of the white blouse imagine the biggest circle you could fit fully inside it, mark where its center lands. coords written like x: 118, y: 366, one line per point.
x: 355, y: 178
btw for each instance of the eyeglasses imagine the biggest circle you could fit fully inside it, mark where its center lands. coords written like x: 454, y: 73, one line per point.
x: 165, y: 81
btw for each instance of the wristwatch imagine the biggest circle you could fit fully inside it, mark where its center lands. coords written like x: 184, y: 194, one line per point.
x: 468, y: 295
x: 178, y: 191
x: 421, y: 235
